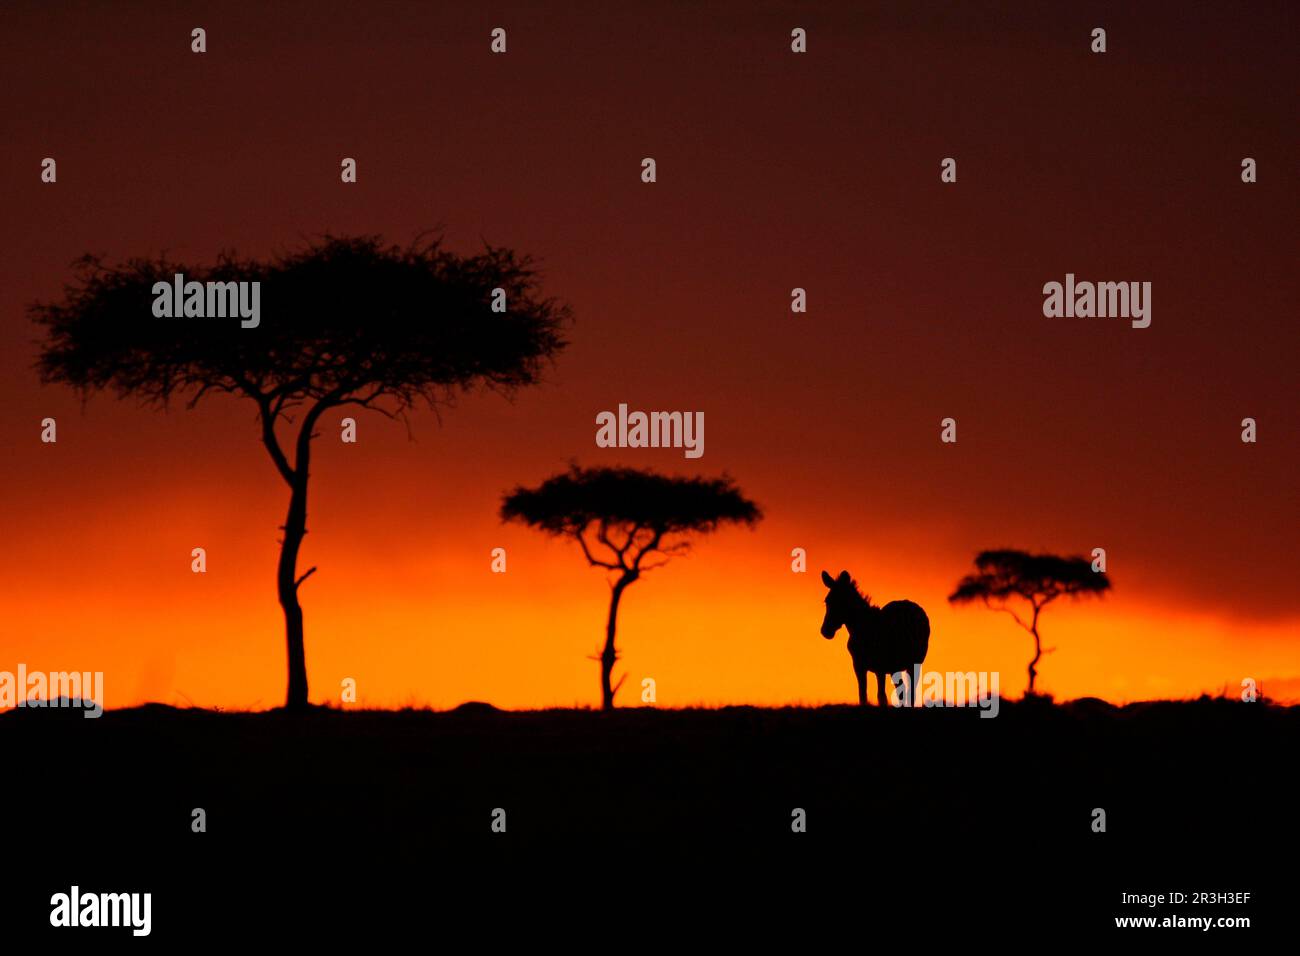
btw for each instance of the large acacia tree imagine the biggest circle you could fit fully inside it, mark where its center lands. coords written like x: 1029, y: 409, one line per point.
x: 1003, y: 576
x: 628, y: 521
x: 344, y: 322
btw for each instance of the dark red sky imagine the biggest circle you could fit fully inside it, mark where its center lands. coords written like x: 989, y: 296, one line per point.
x: 775, y: 171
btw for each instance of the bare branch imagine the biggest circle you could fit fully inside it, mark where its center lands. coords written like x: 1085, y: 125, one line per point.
x: 268, y: 417
x: 591, y: 559
x: 368, y: 401
x: 306, y: 433
x: 204, y: 389
x: 602, y: 535
x: 649, y: 547
x: 631, y: 536
x: 1007, y: 610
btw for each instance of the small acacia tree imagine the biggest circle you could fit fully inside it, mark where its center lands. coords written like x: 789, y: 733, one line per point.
x: 344, y: 322
x: 1038, y: 579
x: 621, y: 517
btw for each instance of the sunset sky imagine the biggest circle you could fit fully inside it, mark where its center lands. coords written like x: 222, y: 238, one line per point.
x: 775, y: 171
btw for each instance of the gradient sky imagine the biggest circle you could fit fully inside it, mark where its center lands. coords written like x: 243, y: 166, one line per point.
x: 775, y: 171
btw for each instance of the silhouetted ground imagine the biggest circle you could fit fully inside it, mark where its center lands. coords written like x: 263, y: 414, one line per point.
x: 647, y: 814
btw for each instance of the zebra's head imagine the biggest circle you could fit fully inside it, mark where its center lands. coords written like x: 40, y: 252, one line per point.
x: 841, y: 601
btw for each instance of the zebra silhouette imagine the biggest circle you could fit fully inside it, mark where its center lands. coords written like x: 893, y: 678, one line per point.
x: 882, y: 640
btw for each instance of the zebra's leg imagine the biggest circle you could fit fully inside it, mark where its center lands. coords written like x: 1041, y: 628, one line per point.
x: 897, y: 681
x: 882, y: 695
x: 862, y: 686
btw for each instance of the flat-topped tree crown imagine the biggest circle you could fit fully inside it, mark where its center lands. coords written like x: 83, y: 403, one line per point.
x: 573, y: 501
x: 344, y: 321
x: 1038, y: 578
x: 344, y: 318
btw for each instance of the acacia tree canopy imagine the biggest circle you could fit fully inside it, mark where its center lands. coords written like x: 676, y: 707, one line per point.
x: 629, y: 510
x: 1038, y: 578
x: 345, y: 320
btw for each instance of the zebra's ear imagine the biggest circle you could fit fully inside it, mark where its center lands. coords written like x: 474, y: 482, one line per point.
x: 828, y: 580
x: 844, y: 577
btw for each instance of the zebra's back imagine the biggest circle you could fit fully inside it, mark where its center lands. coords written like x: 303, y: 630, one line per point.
x: 904, y: 636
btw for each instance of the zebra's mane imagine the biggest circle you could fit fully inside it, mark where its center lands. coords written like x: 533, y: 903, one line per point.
x: 866, y: 598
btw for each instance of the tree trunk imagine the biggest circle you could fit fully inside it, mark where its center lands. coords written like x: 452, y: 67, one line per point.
x: 295, y: 527
x: 1033, y: 669
x: 1038, y: 650
x: 608, y: 656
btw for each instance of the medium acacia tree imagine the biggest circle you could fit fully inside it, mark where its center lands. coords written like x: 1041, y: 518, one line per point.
x: 628, y: 521
x: 1037, y: 579
x: 345, y: 321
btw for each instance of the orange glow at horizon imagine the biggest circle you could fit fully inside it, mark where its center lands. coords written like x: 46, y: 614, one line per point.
x: 418, y: 619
